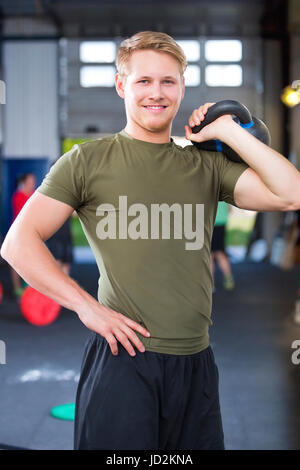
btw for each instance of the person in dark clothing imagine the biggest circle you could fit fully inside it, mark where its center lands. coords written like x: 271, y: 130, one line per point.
x: 297, y: 263
x: 61, y: 247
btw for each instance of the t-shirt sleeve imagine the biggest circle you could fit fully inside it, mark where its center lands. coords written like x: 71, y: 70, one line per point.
x: 65, y: 180
x: 229, y: 172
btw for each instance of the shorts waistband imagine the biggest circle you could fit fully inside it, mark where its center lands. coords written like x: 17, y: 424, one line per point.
x: 185, y: 346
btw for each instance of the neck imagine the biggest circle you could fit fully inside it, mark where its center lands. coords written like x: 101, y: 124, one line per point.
x: 161, y: 137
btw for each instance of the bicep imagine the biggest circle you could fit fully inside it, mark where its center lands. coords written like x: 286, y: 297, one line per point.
x: 43, y: 215
x: 251, y: 193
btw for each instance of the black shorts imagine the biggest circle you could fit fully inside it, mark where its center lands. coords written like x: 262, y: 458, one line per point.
x: 218, y: 238
x: 152, y: 401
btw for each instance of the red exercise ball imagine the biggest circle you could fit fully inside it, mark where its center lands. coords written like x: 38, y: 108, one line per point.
x: 37, y: 308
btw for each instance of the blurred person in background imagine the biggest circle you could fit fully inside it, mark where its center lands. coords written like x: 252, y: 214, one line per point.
x: 218, y: 253
x: 297, y: 263
x: 25, y: 186
x: 61, y: 246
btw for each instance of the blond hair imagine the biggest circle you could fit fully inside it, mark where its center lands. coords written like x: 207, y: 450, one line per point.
x: 160, y: 42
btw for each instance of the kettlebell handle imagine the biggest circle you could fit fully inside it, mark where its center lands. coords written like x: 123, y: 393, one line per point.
x: 225, y: 107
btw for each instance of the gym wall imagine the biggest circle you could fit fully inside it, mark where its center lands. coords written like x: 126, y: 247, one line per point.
x: 31, y: 109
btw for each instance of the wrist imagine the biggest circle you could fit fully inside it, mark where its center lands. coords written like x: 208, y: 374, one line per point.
x: 79, y: 298
x: 227, y: 132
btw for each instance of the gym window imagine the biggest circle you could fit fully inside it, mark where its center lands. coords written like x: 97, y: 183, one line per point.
x: 97, y: 75
x: 191, y: 48
x: 192, y: 75
x: 223, y: 51
x: 219, y: 61
x: 223, y: 75
x: 219, y: 74
x: 96, y: 53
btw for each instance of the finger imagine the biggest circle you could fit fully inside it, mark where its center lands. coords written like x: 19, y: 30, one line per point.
x: 191, y: 122
x: 112, y: 343
x: 192, y: 119
x: 188, y: 132
x: 133, y: 338
x: 199, y: 115
x: 192, y: 137
x: 196, y: 117
x: 136, y: 326
x: 202, y: 110
x: 208, y: 105
x: 124, y: 341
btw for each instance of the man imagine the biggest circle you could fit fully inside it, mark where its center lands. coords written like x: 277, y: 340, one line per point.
x: 148, y: 377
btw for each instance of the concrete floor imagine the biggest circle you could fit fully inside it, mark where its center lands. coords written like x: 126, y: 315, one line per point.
x: 251, y: 338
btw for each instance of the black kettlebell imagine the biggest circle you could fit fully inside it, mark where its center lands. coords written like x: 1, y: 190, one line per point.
x: 255, y: 126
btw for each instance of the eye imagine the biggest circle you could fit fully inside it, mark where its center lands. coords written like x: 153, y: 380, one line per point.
x: 169, y: 81
x: 143, y: 81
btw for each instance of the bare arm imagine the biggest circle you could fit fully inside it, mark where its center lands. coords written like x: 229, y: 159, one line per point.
x: 25, y: 250
x: 271, y: 183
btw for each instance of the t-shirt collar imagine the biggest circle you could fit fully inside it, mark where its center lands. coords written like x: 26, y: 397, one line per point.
x: 165, y: 145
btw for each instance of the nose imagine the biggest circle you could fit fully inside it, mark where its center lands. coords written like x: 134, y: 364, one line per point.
x: 156, y: 91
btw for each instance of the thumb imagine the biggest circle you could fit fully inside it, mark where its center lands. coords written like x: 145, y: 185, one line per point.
x: 188, y: 133
x: 192, y: 137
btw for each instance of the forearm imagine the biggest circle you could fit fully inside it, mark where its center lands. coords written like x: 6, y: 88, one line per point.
x: 30, y: 257
x: 277, y: 173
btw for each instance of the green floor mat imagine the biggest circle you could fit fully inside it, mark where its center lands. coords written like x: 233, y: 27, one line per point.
x: 66, y: 411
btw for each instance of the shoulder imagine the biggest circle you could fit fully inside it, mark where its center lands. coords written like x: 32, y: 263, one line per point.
x: 89, y: 150
x: 81, y: 154
x: 207, y: 159
x: 93, y: 145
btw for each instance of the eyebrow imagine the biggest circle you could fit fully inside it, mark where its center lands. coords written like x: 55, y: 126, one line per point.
x: 145, y: 76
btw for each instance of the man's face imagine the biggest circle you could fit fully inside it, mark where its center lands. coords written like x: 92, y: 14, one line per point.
x: 153, y: 90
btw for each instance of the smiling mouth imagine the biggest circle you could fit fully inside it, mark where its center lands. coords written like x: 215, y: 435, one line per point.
x: 154, y: 108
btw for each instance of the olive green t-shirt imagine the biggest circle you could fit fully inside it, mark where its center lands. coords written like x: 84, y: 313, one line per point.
x: 148, y: 213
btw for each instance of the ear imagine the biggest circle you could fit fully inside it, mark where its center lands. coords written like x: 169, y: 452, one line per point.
x: 119, y: 83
